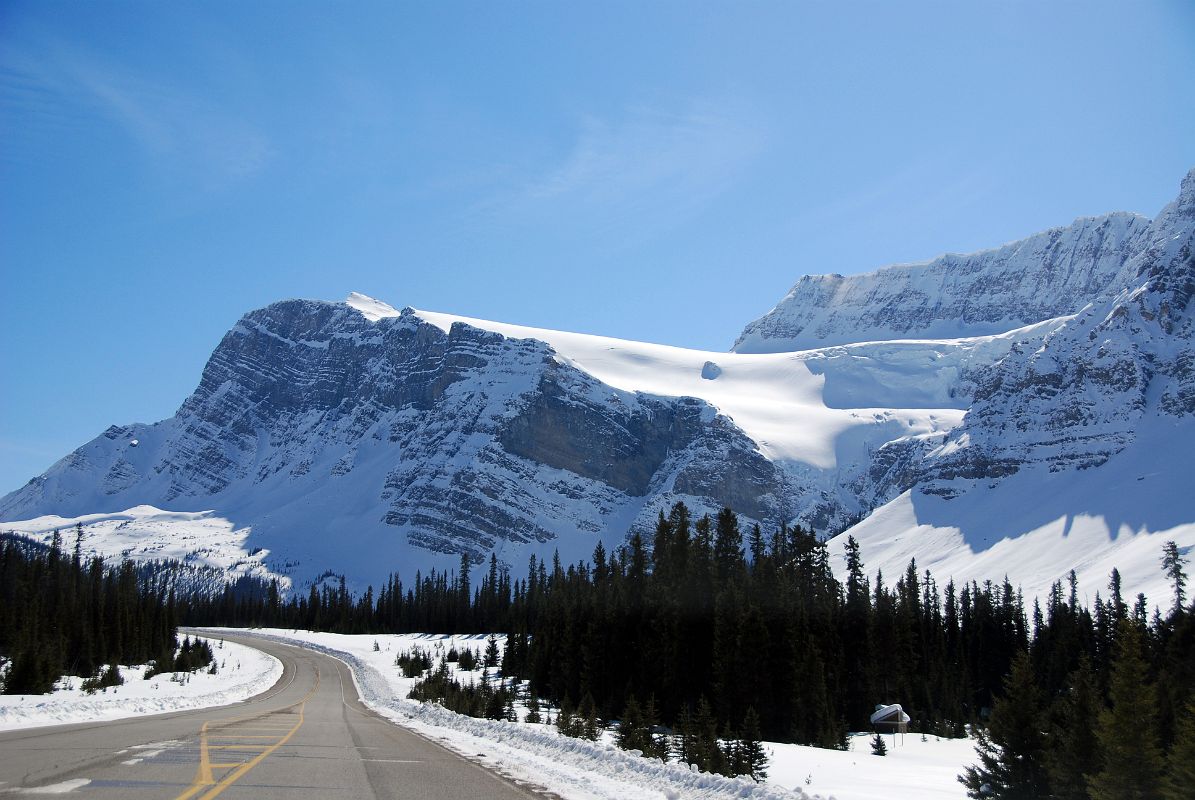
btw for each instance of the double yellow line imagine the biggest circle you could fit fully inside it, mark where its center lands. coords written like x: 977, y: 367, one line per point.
x: 205, y: 783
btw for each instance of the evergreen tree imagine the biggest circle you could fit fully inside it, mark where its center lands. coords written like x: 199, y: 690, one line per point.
x: 1172, y: 563
x: 1132, y: 759
x: 588, y: 719
x: 1074, y: 747
x: 633, y: 733
x: 1180, y: 772
x: 1012, y: 751
x: 533, y: 715
x: 491, y: 651
x: 878, y: 748
x: 751, y: 756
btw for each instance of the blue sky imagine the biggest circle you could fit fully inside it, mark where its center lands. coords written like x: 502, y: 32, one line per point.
x: 651, y: 170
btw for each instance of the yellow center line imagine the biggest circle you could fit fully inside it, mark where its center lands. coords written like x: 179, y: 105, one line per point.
x: 238, y: 746
x: 223, y: 736
x: 203, y: 778
x: 259, y: 728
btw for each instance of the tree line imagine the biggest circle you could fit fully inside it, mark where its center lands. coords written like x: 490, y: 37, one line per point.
x: 63, y: 614
x: 760, y: 625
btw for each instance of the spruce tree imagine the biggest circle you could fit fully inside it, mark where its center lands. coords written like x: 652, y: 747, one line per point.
x: 1172, y: 563
x: 1180, y: 772
x: 753, y: 759
x: 1132, y: 762
x: 1012, y: 751
x: 533, y: 715
x: 632, y: 733
x: 1074, y: 747
x: 491, y: 651
x: 587, y: 719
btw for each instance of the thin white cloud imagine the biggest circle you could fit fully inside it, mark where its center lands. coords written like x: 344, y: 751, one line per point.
x: 180, y: 132
x: 663, y: 165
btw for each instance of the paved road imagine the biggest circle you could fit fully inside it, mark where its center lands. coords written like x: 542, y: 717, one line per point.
x: 307, y: 737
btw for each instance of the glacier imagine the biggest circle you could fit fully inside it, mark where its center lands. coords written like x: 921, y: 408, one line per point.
x: 931, y: 401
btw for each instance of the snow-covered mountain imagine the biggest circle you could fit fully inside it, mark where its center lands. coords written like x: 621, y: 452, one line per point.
x: 353, y: 437
x: 1076, y: 451
x: 1050, y: 274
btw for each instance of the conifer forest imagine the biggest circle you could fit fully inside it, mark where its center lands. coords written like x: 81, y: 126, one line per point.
x: 753, y: 630
x: 63, y: 614
x: 702, y: 642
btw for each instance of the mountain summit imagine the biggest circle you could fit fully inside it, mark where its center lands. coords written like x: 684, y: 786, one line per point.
x: 361, y: 439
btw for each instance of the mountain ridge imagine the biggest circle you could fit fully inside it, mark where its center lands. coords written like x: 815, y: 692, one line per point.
x: 1046, y: 275
x: 362, y: 438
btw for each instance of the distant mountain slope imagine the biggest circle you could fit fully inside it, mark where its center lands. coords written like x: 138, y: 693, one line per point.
x: 1050, y: 274
x: 359, y: 439
x: 1078, y: 452
x: 1082, y: 394
x: 354, y: 437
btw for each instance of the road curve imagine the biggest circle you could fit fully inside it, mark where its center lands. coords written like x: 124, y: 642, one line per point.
x: 309, y: 736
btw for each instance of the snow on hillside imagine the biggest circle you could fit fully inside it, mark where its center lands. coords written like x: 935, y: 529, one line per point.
x: 242, y: 672
x: 798, y: 407
x: 818, y: 412
x: 361, y: 439
x: 1049, y: 274
x: 1036, y: 525
x: 144, y: 533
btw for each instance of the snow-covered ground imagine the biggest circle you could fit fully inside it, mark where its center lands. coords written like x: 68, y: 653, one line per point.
x: 142, y: 533
x: 242, y: 673
x: 581, y: 770
x: 1039, y: 524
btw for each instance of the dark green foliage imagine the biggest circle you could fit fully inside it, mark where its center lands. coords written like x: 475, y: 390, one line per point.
x: 62, y: 615
x: 1012, y: 750
x: 637, y: 730
x: 586, y: 721
x: 750, y: 758
x: 1172, y: 563
x: 699, y: 739
x: 684, y: 614
x: 533, y: 715
x: 1133, y: 761
x: 633, y: 731
x: 472, y: 699
x: 414, y: 663
x: 104, y: 679
x: 1074, y: 748
x: 1180, y: 770
x: 878, y: 748
x: 568, y: 722
x: 468, y: 660
x: 192, y: 655
x: 491, y: 651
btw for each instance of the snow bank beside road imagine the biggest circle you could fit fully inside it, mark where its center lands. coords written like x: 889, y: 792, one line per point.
x: 572, y: 768
x: 581, y: 770
x: 242, y: 673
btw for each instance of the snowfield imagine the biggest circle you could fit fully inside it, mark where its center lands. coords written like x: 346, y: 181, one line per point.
x: 143, y: 533
x: 243, y: 672
x: 580, y: 770
x: 1039, y: 524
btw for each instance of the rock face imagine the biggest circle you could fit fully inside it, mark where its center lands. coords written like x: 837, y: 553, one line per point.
x: 1070, y: 398
x: 1080, y: 396
x: 355, y: 438
x: 1048, y: 275
x: 465, y: 441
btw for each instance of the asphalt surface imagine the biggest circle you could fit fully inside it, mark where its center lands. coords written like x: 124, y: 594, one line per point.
x: 307, y: 737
